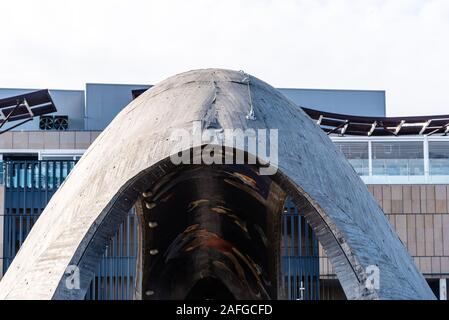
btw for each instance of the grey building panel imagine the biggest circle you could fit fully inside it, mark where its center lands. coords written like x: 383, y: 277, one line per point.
x: 68, y: 102
x: 105, y: 101
x: 94, y: 108
x: 353, y: 102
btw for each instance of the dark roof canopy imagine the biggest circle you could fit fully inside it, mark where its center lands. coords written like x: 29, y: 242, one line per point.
x: 334, y: 123
x: 25, y: 107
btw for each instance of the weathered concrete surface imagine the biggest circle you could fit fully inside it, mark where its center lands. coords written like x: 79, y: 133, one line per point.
x: 129, y: 155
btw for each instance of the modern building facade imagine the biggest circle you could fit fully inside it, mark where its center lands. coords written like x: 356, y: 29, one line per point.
x: 408, y: 176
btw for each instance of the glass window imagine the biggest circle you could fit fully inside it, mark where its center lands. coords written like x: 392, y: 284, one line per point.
x: 439, y: 158
x: 398, y: 158
x: 55, y: 156
x: 357, y: 155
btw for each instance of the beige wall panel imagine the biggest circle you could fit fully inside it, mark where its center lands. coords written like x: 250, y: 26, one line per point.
x: 93, y: 136
x: 67, y: 140
x: 51, y: 140
x: 423, y: 199
x: 416, y: 199
x: 82, y: 140
x: 407, y: 206
x: 6, y: 140
x: 407, y: 199
x: 396, y: 206
x: 411, y: 234
x: 431, y: 206
x: 425, y: 235
x: 36, y: 140
x: 426, y: 264
x: 401, y: 227
x: 420, y: 236
x: 19, y: 140
x: 440, y: 192
x: 378, y: 194
x: 445, y: 222
x: 407, y: 192
x: 416, y: 205
x: 386, y: 192
x: 436, y: 265
x: 428, y: 231
x: 438, y: 234
x: 441, y: 206
x: 396, y: 192
x: 444, y: 264
x: 447, y: 197
x: 430, y: 193
x: 386, y: 206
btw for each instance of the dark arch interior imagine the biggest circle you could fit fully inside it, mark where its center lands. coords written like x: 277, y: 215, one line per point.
x: 164, y: 194
x: 176, y: 206
x: 209, y: 289
x: 211, y: 226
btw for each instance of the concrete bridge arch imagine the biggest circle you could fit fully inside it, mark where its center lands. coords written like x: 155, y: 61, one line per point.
x: 134, y: 151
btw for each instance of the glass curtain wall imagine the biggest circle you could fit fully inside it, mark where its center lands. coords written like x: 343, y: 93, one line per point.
x: 439, y: 158
x: 398, y: 158
x: 423, y: 160
x: 358, y: 155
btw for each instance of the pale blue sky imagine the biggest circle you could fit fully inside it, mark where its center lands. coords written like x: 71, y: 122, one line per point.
x: 401, y: 46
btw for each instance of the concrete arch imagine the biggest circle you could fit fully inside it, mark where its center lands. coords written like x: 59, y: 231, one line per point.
x: 133, y: 150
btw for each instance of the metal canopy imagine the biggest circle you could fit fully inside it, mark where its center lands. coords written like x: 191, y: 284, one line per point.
x: 25, y: 107
x: 334, y: 123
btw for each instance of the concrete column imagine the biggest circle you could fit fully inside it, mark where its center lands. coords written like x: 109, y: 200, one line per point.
x: 426, y: 159
x: 370, y: 158
x: 443, y: 289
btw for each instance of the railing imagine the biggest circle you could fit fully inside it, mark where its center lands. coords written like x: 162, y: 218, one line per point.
x: 116, y: 275
x: 300, y: 261
x: 29, y: 185
x: 39, y: 175
x: 412, y: 160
